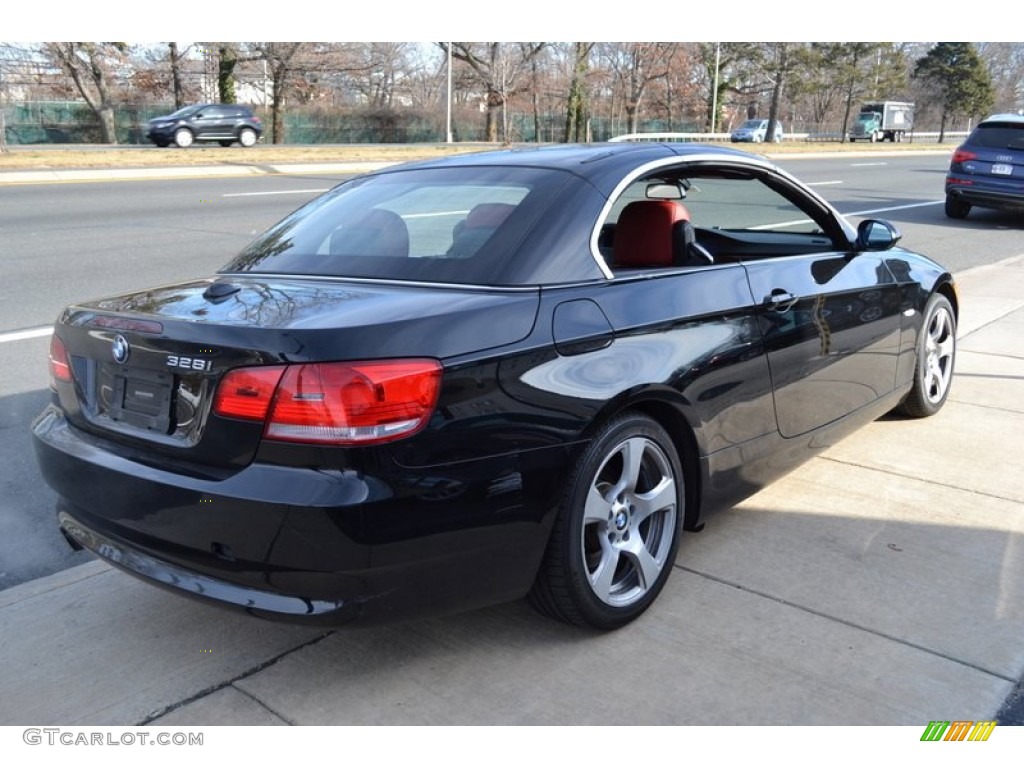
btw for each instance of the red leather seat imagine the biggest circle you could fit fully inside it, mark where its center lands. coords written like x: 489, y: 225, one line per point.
x: 646, y: 232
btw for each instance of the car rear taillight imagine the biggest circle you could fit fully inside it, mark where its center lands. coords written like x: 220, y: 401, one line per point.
x: 961, y: 155
x: 246, y: 393
x: 351, y: 403
x: 60, y: 369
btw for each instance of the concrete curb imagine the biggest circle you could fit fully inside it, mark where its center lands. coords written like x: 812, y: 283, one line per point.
x: 183, y: 172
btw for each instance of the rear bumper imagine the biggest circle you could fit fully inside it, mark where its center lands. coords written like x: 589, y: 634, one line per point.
x: 131, y: 558
x: 322, y: 546
x: 986, y: 193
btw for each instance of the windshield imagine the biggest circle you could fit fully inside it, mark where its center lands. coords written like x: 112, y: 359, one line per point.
x: 450, y: 225
x: 752, y: 124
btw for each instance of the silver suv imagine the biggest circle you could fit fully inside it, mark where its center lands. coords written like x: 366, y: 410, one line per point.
x: 756, y: 130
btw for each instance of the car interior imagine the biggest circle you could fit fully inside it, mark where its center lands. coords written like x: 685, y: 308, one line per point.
x: 729, y: 216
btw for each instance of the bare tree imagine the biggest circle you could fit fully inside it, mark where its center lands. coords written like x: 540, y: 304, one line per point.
x: 576, y: 109
x: 280, y: 57
x: 636, y: 66
x: 176, y: 57
x: 731, y: 67
x: 782, y: 64
x: 498, y: 72
x: 90, y: 66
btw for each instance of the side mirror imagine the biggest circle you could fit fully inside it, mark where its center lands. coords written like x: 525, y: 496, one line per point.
x: 876, y: 235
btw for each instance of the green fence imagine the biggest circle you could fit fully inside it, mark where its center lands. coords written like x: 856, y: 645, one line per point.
x: 73, y: 122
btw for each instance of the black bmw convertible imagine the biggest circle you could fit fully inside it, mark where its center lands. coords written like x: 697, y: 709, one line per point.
x: 460, y: 382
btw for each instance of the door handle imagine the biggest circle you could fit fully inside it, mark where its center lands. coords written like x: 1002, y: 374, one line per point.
x: 780, y: 300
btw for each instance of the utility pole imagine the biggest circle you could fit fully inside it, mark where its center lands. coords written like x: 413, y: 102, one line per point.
x: 448, y: 133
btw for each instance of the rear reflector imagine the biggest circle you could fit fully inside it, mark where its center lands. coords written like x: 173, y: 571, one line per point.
x: 60, y: 370
x: 351, y: 403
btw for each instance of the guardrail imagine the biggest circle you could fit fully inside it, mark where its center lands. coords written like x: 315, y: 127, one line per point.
x: 789, y: 137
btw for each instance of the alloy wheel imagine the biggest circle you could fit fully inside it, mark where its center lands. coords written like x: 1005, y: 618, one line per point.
x: 629, y: 521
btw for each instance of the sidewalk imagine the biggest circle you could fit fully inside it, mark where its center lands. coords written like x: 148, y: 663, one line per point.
x: 882, y: 583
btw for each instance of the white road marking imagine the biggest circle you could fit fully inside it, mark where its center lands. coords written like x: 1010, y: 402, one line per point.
x: 275, y: 192
x: 798, y: 222
x: 822, y: 183
x: 893, y: 208
x: 31, y: 333
x: 865, y: 165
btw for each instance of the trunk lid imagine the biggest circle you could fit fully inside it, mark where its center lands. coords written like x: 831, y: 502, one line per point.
x: 145, y: 366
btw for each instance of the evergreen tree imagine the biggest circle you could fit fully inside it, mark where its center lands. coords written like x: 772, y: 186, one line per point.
x: 957, y: 79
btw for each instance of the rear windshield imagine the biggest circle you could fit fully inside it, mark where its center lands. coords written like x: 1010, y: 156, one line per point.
x: 998, y: 136
x: 452, y: 225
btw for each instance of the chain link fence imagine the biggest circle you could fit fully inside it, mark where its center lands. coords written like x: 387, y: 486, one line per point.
x: 73, y: 122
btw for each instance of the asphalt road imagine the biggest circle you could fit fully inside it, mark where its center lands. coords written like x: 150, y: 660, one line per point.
x: 67, y: 242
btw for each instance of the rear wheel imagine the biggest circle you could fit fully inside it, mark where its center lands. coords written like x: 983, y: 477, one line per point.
x: 247, y: 137
x: 183, y: 137
x: 957, y: 208
x: 936, y: 353
x: 617, y: 532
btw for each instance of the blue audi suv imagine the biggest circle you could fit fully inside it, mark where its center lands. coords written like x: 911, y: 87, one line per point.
x: 987, y: 170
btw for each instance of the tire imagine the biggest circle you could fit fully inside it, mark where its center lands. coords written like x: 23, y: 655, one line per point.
x: 957, y: 208
x: 247, y: 137
x: 874, y: 137
x: 183, y: 137
x: 852, y: 139
x: 936, y: 355
x: 225, y: 142
x: 615, y: 539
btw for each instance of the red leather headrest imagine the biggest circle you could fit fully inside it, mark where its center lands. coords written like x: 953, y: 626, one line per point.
x: 643, y: 234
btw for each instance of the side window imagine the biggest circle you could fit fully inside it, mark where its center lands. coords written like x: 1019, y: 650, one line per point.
x: 698, y: 217
x: 744, y: 205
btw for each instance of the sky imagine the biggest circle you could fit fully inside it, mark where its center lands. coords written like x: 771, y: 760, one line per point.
x: 510, y: 20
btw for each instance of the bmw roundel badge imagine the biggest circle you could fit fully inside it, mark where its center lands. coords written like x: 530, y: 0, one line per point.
x: 120, y: 350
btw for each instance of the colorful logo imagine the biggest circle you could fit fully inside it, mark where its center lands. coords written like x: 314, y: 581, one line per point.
x: 958, y: 730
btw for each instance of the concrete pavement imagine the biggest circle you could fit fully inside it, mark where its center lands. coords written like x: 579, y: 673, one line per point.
x: 881, y: 583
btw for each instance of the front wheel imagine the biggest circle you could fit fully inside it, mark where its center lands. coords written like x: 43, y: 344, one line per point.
x: 936, y: 353
x: 615, y: 539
